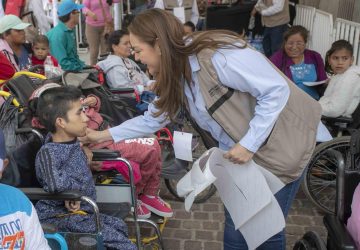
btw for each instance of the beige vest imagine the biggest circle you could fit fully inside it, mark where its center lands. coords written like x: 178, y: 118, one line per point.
x: 280, y: 18
x: 289, y: 147
x: 187, y: 4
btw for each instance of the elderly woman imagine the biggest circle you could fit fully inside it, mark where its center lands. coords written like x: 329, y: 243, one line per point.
x: 119, y: 69
x: 298, y: 63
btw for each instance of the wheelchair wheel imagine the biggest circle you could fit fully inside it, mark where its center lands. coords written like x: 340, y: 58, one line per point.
x: 319, y: 184
x: 310, y: 241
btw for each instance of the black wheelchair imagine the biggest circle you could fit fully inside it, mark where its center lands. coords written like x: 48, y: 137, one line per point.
x: 348, y: 178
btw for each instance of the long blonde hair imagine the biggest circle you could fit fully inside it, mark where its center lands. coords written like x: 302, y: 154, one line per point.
x: 156, y: 25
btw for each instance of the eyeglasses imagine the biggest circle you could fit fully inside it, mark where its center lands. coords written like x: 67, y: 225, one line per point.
x: 75, y: 12
x: 297, y: 44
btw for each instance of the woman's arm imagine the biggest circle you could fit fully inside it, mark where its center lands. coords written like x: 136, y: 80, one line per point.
x: 249, y: 71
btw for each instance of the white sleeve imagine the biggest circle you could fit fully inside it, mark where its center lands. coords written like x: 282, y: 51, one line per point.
x: 194, y: 13
x: 34, y: 235
x: 117, y: 77
x: 139, y: 126
x: 42, y: 20
x: 249, y: 71
x: 159, y: 4
x: 345, y: 90
x: 278, y: 5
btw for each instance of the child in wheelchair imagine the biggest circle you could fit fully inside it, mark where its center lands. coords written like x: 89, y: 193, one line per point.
x: 19, y: 221
x: 62, y: 165
x: 143, y: 153
x: 342, y: 95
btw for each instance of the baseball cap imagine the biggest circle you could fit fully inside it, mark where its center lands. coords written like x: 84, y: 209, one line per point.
x: 66, y: 6
x: 2, y: 150
x: 12, y: 22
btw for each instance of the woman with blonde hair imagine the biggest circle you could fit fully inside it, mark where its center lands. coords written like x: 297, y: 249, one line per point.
x: 233, y: 94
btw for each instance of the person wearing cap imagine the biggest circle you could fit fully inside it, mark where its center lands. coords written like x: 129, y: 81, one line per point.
x: 18, y: 215
x: 12, y: 41
x: 62, y: 36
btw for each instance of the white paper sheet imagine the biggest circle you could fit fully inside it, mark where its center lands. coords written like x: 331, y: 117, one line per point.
x: 311, y: 84
x: 246, y: 190
x: 182, y: 145
x: 179, y: 12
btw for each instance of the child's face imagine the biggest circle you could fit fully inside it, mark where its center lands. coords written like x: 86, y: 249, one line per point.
x: 76, y: 123
x: 340, y: 61
x: 41, y: 50
x: 187, y: 30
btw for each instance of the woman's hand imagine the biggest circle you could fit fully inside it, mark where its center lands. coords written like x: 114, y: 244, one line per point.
x: 93, y: 136
x: 92, y: 15
x: 72, y: 206
x: 253, y: 12
x: 238, y: 154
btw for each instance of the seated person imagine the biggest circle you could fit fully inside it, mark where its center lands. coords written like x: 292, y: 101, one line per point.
x: 62, y: 36
x: 119, y: 69
x: 298, y: 63
x: 342, y: 95
x: 144, y: 152
x: 41, y: 49
x: 61, y: 165
x: 189, y: 28
x: 18, y: 215
x: 12, y: 42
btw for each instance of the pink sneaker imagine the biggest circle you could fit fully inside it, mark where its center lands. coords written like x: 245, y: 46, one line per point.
x: 157, y: 206
x: 142, y: 211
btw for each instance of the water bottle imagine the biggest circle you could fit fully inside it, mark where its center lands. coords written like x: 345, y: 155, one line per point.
x: 48, y: 67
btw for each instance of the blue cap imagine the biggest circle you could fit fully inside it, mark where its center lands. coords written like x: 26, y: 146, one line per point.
x: 2, y: 145
x: 66, y: 6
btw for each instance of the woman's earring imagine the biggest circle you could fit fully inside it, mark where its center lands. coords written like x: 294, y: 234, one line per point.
x: 159, y: 51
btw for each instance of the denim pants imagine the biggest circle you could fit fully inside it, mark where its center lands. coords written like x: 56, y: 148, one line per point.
x: 273, y: 38
x: 233, y: 239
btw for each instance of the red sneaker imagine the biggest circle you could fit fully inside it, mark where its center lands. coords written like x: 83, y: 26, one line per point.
x: 157, y: 206
x: 142, y: 211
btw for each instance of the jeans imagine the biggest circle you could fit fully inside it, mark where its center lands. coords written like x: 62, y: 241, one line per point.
x: 273, y: 38
x: 233, y: 239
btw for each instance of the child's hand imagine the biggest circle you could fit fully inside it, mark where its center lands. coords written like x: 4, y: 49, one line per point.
x: 88, y: 153
x: 96, y: 165
x: 72, y: 206
x: 89, y: 101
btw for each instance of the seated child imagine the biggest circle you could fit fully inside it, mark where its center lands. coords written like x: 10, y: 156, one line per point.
x: 41, y: 50
x: 144, y: 152
x: 20, y: 224
x: 61, y: 165
x: 342, y: 95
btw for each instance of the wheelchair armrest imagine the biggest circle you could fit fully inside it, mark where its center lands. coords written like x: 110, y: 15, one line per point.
x: 122, y: 90
x: 40, y: 194
x: 30, y: 130
x: 340, y: 119
x: 338, y: 233
x: 104, y: 154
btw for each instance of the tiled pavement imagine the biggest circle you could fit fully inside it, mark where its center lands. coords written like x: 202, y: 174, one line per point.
x: 202, y: 228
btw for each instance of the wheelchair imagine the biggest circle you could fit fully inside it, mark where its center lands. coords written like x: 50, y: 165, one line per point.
x: 320, y: 177
x: 21, y: 173
x: 348, y: 178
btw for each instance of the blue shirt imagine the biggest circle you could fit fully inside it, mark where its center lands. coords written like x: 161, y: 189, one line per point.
x: 24, y: 59
x: 303, y: 72
x: 63, y: 47
x: 245, y: 70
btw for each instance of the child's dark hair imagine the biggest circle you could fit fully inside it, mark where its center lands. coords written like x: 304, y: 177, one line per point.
x: 115, y: 37
x: 55, y: 103
x: 296, y: 29
x: 191, y: 25
x: 41, y: 39
x: 336, y: 46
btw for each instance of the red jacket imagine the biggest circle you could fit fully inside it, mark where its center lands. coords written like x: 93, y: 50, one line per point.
x: 6, y: 68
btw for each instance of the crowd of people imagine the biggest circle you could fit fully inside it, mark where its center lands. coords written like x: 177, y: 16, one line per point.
x: 254, y: 106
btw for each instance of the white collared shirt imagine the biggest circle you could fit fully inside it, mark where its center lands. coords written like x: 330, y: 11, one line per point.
x: 245, y: 70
